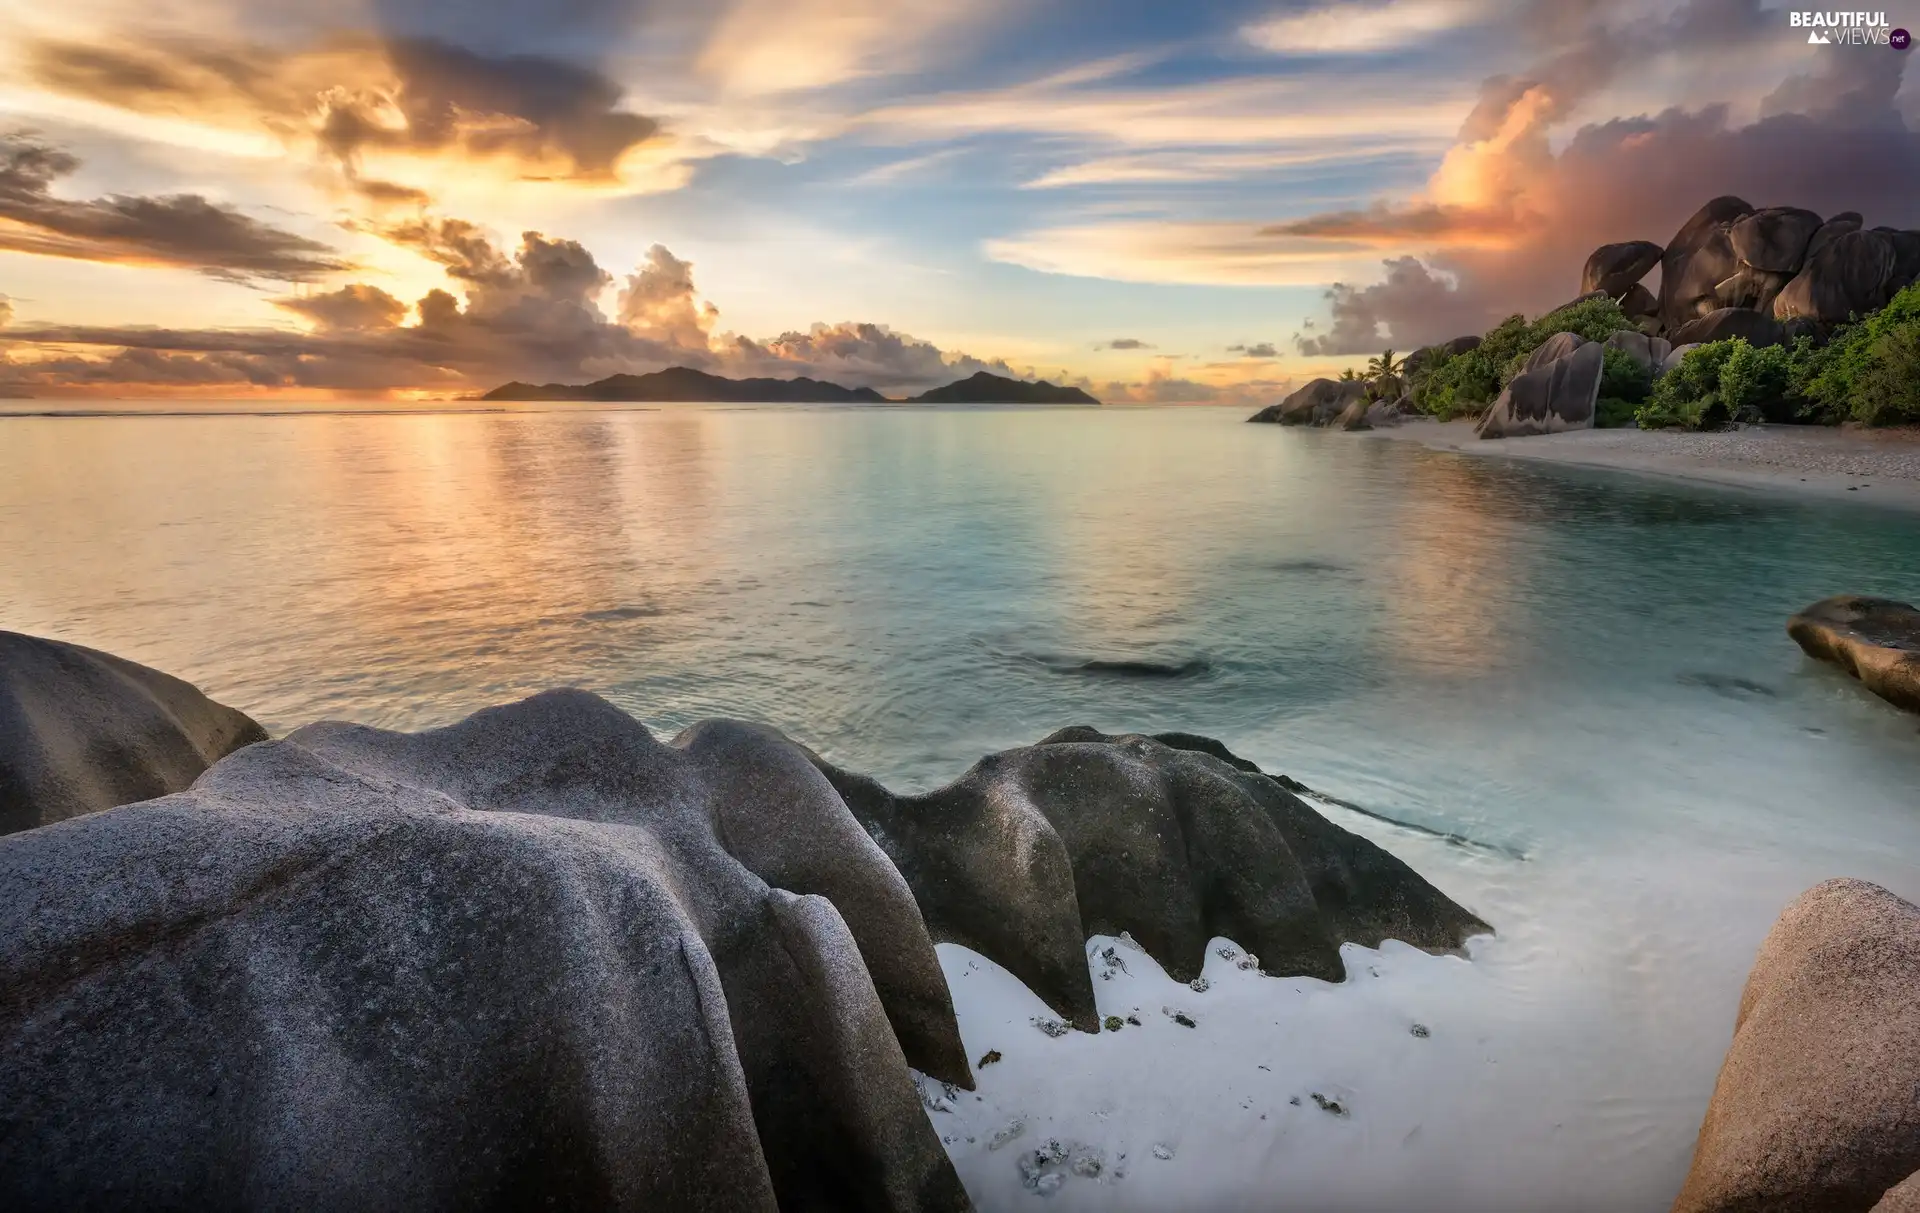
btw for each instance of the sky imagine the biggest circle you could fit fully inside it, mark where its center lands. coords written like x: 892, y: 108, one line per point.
x: 1209, y: 200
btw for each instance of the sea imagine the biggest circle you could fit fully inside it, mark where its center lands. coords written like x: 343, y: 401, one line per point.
x: 1573, y: 689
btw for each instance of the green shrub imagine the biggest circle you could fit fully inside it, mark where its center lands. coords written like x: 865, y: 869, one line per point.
x: 1624, y: 377
x: 1688, y: 396
x: 1867, y: 372
x: 1756, y: 382
x: 1613, y: 413
x: 1451, y: 386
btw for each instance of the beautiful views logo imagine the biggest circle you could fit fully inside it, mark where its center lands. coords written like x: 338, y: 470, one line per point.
x: 1844, y: 29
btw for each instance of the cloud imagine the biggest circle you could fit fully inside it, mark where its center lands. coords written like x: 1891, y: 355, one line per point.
x: 358, y: 96
x: 659, y: 300
x: 1123, y: 343
x: 175, y: 229
x: 532, y: 315
x: 1263, y: 349
x: 1347, y: 29
x: 354, y: 308
x: 765, y: 47
x: 1506, y: 220
x: 1217, y: 252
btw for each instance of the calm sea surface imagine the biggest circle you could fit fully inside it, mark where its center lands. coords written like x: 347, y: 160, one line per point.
x: 1586, y: 671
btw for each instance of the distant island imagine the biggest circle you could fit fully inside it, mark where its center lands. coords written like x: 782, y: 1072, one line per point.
x: 684, y: 385
x: 982, y: 388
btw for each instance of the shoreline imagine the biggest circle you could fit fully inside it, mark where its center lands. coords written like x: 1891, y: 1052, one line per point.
x: 1819, y: 463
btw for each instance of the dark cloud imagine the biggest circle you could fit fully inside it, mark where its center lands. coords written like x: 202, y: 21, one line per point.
x: 361, y: 93
x: 1263, y: 349
x: 1511, y: 220
x: 1124, y: 343
x: 352, y: 308
x: 175, y: 229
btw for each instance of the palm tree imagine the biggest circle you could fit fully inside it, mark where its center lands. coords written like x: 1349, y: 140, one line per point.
x: 1384, y: 367
x: 1349, y: 375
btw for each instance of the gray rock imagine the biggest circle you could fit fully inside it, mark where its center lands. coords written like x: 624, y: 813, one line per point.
x: 1462, y: 345
x: 1850, y: 276
x: 1649, y: 352
x: 1318, y: 403
x: 1674, y: 356
x: 1906, y: 258
x: 1698, y: 258
x: 1354, y: 416
x: 1730, y: 322
x: 1814, y: 1109
x: 1550, y: 398
x: 1832, y: 230
x: 1751, y: 288
x: 1553, y: 349
x: 1035, y: 849
x: 1617, y: 268
x: 1639, y: 303
x: 82, y: 731
x: 508, y: 963
x: 1903, y: 1197
x: 1877, y: 640
x: 1775, y: 238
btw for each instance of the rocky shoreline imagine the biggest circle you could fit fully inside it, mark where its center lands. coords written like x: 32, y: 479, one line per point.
x: 543, y: 956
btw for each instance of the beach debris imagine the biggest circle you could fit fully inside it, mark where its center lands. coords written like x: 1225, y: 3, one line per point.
x: 1421, y: 1030
x: 1162, y: 1152
x: 1294, y: 1100
x: 1333, y: 1106
x: 938, y: 1096
x: 1052, y: 1027
x: 1113, y: 962
x: 1199, y: 985
x: 991, y: 1056
x: 1089, y: 1166
x: 1133, y: 1017
x: 1006, y: 1133
x: 1226, y: 953
x: 1114, y: 1023
x: 1040, y: 1169
x: 1180, y: 1017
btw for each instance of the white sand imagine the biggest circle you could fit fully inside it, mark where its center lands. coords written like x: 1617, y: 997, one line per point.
x: 1857, y: 466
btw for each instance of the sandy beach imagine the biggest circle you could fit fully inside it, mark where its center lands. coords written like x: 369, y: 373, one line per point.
x: 1853, y: 465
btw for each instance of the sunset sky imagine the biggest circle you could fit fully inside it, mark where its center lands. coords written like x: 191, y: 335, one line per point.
x: 1161, y: 201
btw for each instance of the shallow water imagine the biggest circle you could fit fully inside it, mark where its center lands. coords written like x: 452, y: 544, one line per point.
x: 1586, y: 668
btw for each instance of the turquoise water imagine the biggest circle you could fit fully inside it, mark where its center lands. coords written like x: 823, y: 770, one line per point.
x: 1585, y: 669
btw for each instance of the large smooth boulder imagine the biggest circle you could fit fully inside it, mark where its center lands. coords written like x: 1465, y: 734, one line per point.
x: 1698, y: 258
x: 1674, y: 355
x: 1906, y: 258
x: 1849, y: 277
x: 1877, y: 640
x: 1816, y: 1107
x: 1751, y: 288
x: 1639, y: 303
x: 1553, y: 349
x: 1649, y: 352
x: 1832, y: 230
x: 1774, y: 238
x: 1616, y: 268
x: 1169, y: 837
x: 1730, y: 322
x: 528, y: 960
x: 1318, y: 403
x: 1550, y: 397
x: 82, y: 731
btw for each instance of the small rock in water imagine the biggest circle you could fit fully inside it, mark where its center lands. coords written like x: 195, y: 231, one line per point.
x: 1163, y: 1152
x: 1006, y: 1133
x: 1225, y: 953
x: 1180, y: 1017
x: 992, y: 1055
x: 1047, y: 1185
x: 1421, y: 1030
x: 1088, y: 1166
x: 1114, y: 1023
x: 1295, y: 1101
x: 1329, y: 1105
x: 1133, y: 1017
x: 1247, y: 962
x: 1052, y: 1027
x: 1127, y: 938
x: 1199, y: 985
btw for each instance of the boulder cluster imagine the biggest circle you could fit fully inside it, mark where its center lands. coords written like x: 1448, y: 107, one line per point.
x: 542, y: 957
x: 1768, y: 275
